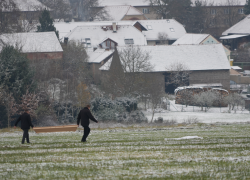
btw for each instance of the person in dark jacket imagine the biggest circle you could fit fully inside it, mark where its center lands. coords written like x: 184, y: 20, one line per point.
x: 25, y: 125
x: 84, y: 115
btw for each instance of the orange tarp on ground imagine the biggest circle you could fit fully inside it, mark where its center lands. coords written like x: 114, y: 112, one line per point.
x: 55, y: 128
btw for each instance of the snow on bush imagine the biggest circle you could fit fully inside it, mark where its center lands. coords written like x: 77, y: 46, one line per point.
x: 122, y: 109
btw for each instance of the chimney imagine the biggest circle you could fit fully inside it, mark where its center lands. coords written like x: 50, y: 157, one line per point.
x: 114, y: 27
x: 66, y: 40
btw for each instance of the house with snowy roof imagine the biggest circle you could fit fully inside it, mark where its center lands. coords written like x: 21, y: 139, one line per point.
x: 125, y: 12
x: 141, y: 5
x: 65, y: 28
x: 201, y: 39
x: 37, y: 46
x: 96, y: 59
x: 27, y: 13
x: 207, y: 64
x: 237, y: 35
x: 107, y: 37
x: 171, y: 28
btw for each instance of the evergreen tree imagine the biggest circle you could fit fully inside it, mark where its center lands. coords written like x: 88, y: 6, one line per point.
x: 247, y: 8
x: 16, y: 76
x: 46, y: 23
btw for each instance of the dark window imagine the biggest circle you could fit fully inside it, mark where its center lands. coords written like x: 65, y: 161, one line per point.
x: 213, y: 11
x: 129, y: 41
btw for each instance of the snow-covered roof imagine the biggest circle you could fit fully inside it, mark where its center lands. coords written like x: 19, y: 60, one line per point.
x: 107, y: 65
x: 66, y: 27
x: 146, y: 2
x: 97, y: 35
x: 123, y: 2
x: 191, y: 39
x: 33, y: 42
x: 242, y: 27
x: 117, y: 13
x: 171, y: 27
x: 99, y: 55
x: 194, y: 57
x: 28, y: 5
x: 222, y: 2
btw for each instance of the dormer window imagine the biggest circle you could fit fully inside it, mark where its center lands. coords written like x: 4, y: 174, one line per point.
x: 149, y: 27
x: 129, y: 41
x: 172, y: 29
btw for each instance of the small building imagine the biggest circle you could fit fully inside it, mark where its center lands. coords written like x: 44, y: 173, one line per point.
x: 207, y: 64
x: 141, y: 5
x: 125, y: 12
x: 237, y: 35
x: 170, y: 28
x: 96, y: 59
x: 201, y: 39
x: 25, y: 12
x: 37, y: 46
x: 107, y: 37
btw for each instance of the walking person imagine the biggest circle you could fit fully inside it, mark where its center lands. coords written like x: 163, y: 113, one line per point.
x: 25, y: 125
x: 84, y: 115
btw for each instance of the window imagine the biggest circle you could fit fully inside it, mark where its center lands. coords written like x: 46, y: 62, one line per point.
x: 149, y: 27
x: 86, y: 42
x: 226, y: 11
x: 213, y: 11
x: 129, y: 41
x: 145, y: 11
x: 89, y: 45
x: 172, y: 29
x: 240, y: 11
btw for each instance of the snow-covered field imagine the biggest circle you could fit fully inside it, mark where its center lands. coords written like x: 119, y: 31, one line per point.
x: 193, y: 151
x: 181, y: 114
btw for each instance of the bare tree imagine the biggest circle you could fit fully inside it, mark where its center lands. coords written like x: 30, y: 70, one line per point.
x: 155, y: 91
x: 180, y: 10
x: 28, y: 101
x: 163, y: 37
x: 134, y: 59
x: 178, y: 74
x: 187, y: 97
x: 205, y: 99
x: 83, y: 95
x: 75, y: 61
x: 9, y: 102
x: 234, y: 100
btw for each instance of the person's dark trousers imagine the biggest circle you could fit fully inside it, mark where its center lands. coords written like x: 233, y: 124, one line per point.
x: 86, y: 133
x: 26, y: 136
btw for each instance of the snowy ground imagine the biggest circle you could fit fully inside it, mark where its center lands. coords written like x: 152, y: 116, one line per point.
x: 213, y: 115
x: 196, y: 151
